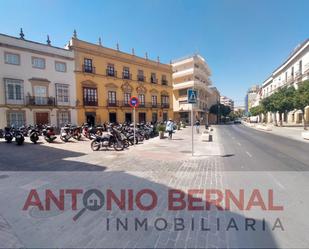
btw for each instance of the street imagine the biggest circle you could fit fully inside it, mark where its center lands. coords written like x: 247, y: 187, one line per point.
x: 238, y: 158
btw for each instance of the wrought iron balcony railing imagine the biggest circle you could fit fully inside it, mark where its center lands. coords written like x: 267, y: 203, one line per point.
x: 89, y: 102
x: 111, y: 72
x: 40, y: 101
x: 141, y: 78
x: 88, y: 69
x: 126, y: 76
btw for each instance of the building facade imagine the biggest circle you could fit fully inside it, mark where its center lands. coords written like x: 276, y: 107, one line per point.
x: 292, y: 72
x: 251, y: 97
x: 106, y: 79
x: 37, y: 83
x: 191, y: 72
x: 227, y: 102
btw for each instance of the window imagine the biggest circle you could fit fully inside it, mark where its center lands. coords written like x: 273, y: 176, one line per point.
x: 141, y: 99
x: 127, y: 97
x: 88, y: 68
x: 300, y: 66
x: 14, y: 91
x: 90, y: 96
x: 164, y: 99
x: 63, y: 118
x: 11, y: 58
x: 38, y: 62
x: 126, y: 73
x: 60, y: 66
x: 154, y: 100
x: 154, y: 117
x: 62, y: 94
x: 16, y: 119
x: 153, y: 78
x: 164, y: 80
x: 292, y: 71
x: 112, y: 98
x: 110, y: 71
x: 140, y: 75
x: 183, y: 92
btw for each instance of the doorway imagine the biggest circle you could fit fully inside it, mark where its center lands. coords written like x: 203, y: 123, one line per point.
x: 113, y: 117
x: 90, y: 118
x: 142, y: 117
x: 42, y: 118
x: 128, y: 117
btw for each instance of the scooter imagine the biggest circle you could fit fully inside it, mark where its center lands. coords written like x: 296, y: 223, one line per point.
x: 49, y: 134
x: 108, y: 140
x: 33, y: 134
x: 8, y: 134
x: 19, y: 137
x: 65, y: 133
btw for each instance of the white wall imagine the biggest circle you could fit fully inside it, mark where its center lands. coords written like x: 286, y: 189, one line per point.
x: 25, y: 71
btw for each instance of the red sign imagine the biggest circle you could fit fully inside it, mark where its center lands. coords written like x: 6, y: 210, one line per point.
x: 134, y: 102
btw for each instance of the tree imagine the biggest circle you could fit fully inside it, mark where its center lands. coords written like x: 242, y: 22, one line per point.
x: 301, y: 99
x: 220, y: 110
x: 283, y: 101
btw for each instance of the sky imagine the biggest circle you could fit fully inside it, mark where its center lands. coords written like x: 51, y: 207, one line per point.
x: 243, y: 41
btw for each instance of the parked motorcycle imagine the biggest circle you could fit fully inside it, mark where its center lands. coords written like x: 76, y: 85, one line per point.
x: 106, y: 141
x: 76, y: 132
x: 33, y: 134
x: 8, y: 134
x: 19, y: 137
x: 65, y: 133
x: 49, y: 134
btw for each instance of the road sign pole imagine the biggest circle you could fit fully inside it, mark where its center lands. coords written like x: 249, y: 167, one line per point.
x: 134, y: 125
x: 192, y: 129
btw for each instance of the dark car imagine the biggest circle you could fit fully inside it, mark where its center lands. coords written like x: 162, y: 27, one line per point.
x: 237, y: 121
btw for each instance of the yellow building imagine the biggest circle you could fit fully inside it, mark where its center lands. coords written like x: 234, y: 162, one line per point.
x: 106, y: 79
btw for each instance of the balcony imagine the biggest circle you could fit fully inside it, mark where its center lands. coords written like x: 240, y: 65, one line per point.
x: 126, y: 76
x: 165, y: 105
x: 306, y: 68
x: 111, y: 72
x: 154, y: 105
x: 88, y: 102
x: 164, y: 82
x: 88, y: 69
x: 298, y: 75
x: 113, y: 103
x: 153, y: 80
x: 141, y: 78
x: 40, y: 101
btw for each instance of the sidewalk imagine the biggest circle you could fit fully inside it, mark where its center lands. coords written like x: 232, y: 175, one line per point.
x: 288, y: 132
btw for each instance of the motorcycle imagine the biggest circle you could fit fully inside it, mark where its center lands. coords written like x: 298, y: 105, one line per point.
x: 19, y: 137
x: 113, y: 139
x: 65, y: 133
x: 8, y: 134
x: 76, y: 132
x: 49, y: 134
x: 33, y: 134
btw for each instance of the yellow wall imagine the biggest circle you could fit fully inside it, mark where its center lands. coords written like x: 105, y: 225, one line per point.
x: 101, y: 56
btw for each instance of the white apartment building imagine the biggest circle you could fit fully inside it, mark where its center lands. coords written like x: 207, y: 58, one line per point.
x: 191, y: 72
x: 37, y: 83
x: 291, y: 73
x: 227, y: 102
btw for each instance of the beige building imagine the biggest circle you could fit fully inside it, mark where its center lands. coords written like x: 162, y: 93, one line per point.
x: 227, y: 102
x: 191, y: 72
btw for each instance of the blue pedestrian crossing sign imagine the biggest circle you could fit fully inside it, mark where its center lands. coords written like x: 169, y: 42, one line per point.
x: 192, y: 96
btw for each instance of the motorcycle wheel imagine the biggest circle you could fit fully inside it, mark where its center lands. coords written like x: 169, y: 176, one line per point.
x: 64, y: 139
x: 146, y: 136
x: 118, y: 146
x: 95, y: 145
x: 126, y: 143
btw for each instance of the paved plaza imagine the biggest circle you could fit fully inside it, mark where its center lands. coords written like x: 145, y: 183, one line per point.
x: 233, y: 159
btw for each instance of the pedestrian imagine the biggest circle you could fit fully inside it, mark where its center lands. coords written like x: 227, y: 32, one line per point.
x: 170, y: 128
x: 197, y: 126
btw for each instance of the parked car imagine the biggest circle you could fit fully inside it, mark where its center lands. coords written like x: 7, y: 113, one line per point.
x: 237, y: 121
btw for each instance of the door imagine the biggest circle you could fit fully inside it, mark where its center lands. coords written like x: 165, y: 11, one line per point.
x: 128, y: 117
x: 40, y: 93
x: 142, y: 117
x: 165, y: 116
x: 90, y: 118
x: 154, y: 117
x: 112, y: 117
x: 42, y: 118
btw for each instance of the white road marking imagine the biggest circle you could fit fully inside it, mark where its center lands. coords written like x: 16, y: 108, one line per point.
x: 248, y: 154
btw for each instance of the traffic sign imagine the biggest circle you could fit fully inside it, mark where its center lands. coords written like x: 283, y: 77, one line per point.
x: 134, y: 102
x: 192, y: 96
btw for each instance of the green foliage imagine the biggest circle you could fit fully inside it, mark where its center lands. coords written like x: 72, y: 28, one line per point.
x: 257, y: 110
x: 161, y: 127
x: 220, y: 109
x: 301, y: 96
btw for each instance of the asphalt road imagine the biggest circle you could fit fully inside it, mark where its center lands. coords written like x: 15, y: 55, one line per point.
x: 247, y: 149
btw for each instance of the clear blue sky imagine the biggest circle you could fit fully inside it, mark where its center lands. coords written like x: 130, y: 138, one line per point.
x: 242, y: 40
